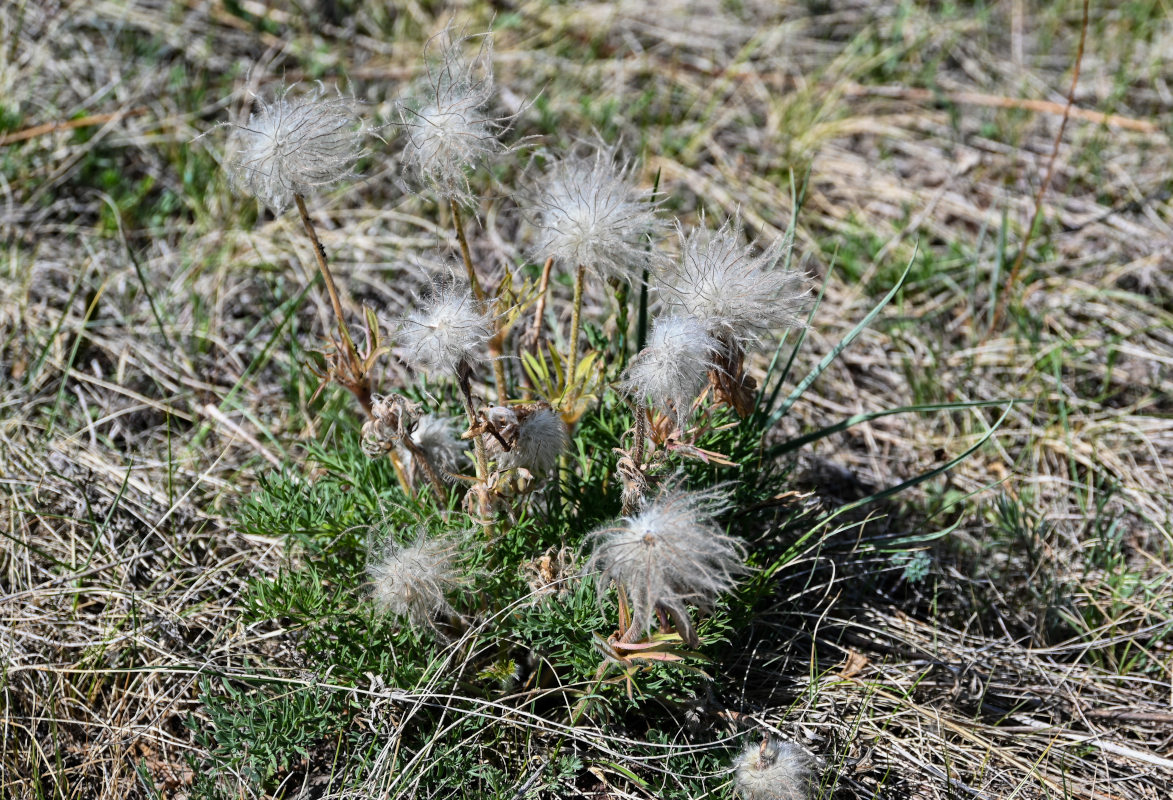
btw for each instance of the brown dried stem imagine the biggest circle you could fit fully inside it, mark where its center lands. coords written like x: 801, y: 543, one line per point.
x: 1012, y: 278
x: 357, y: 380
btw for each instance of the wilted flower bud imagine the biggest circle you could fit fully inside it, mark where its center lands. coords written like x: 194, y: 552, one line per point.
x: 296, y: 144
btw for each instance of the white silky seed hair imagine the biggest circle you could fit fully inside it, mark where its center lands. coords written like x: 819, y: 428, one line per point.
x: 541, y: 439
x: 587, y: 212
x: 670, y: 555
x: 439, y: 439
x: 774, y: 770
x: 296, y: 144
x: 739, y: 292
x: 449, y: 132
x: 413, y: 581
x: 446, y: 330
x: 674, y: 366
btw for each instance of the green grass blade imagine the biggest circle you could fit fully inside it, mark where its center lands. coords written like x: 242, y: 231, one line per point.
x: 828, y: 359
x: 793, y: 444
x: 925, y: 476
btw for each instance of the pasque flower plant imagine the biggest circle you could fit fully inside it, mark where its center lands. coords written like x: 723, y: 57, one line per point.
x: 559, y: 444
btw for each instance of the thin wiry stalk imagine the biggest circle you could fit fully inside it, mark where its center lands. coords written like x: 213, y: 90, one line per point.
x: 418, y: 453
x: 463, y: 373
x: 535, y: 335
x: 495, y: 343
x: 575, y: 321
x: 361, y: 389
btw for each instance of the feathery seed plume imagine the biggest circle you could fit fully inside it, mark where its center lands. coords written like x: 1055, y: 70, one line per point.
x: 674, y: 366
x: 588, y: 213
x: 438, y: 438
x: 447, y: 331
x: 296, y: 144
x: 741, y: 296
x: 448, y: 131
x: 536, y: 435
x: 413, y: 581
x: 670, y: 555
x: 774, y: 770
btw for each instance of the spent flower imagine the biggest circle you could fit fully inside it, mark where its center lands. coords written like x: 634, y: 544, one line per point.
x: 535, y: 433
x: 413, y: 581
x: 741, y: 293
x: 673, y: 368
x: 774, y: 770
x: 440, y: 442
x: 589, y: 213
x: 295, y: 145
x: 447, y: 332
x: 449, y: 132
x: 670, y: 555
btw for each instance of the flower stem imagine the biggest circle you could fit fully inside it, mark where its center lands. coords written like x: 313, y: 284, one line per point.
x: 463, y: 372
x: 324, y: 268
x: 622, y: 293
x: 535, y: 335
x: 641, y: 436
x: 360, y: 387
x: 425, y: 463
x: 496, y: 342
x: 575, y: 321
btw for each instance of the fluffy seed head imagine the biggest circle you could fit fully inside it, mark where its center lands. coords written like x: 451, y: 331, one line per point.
x: 741, y: 296
x: 413, y: 581
x: 674, y: 366
x: 670, y: 555
x: 588, y: 213
x: 448, y: 131
x: 446, y: 331
x: 438, y: 438
x: 296, y: 144
x: 536, y: 435
x: 774, y: 770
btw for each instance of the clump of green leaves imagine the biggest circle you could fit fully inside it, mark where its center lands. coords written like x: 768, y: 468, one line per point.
x: 575, y: 599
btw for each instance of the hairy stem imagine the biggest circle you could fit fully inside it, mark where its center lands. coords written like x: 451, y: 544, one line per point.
x: 535, y: 334
x: 419, y: 455
x: 641, y: 436
x: 466, y: 254
x: 496, y: 343
x: 324, y: 268
x: 575, y: 321
x: 463, y: 373
x: 360, y: 386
